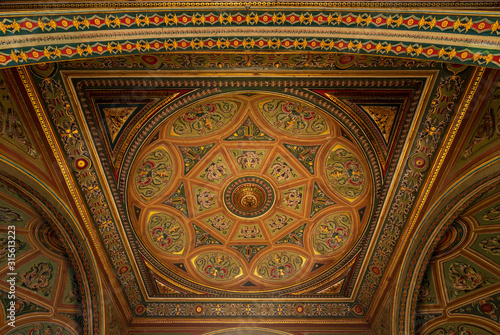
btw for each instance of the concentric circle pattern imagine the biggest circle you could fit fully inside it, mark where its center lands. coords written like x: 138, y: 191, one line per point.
x: 249, y: 192
x: 249, y: 197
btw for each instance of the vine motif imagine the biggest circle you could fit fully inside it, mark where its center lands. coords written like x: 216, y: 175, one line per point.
x: 7, y: 215
x: 282, y: 171
x: 293, y: 118
x: 218, y: 266
x: 491, y: 244
x: 154, y: 174
x: 167, y: 233
x: 5, y: 245
x: 435, y: 121
x: 344, y: 173
x: 248, y: 159
x: 38, y: 277
x: 280, y: 266
x: 464, y: 278
x: 493, y: 214
x: 331, y: 233
x: 278, y: 222
x: 293, y: 198
x: 205, y: 199
x: 220, y: 222
x: 248, y: 232
x: 204, y: 119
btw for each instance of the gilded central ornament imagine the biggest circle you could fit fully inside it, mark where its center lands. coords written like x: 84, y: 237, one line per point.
x: 249, y: 197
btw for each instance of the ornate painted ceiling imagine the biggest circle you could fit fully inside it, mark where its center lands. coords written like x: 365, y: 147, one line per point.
x: 250, y: 168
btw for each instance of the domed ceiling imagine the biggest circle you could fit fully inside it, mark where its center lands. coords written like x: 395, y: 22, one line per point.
x: 249, y: 192
x: 288, y: 167
x: 259, y: 164
x: 269, y: 198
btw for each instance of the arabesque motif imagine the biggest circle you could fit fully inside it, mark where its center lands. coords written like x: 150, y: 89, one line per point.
x: 282, y: 171
x: 464, y: 277
x: 331, y: 233
x: 178, y: 200
x: 205, y: 199
x: 294, y: 118
x: 218, y: 266
x: 216, y: 171
x: 38, y: 277
x: 304, y: 154
x: 154, y: 174
x: 493, y: 214
x: 248, y: 251
x: 280, y: 266
x: 192, y: 155
x: 345, y: 173
x: 248, y: 159
x: 491, y: 244
x: 249, y: 131
x: 167, y: 233
x: 319, y: 200
x: 201, y: 237
x: 220, y: 222
x: 292, y: 199
x: 278, y: 222
x: 204, y: 119
x: 295, y: 237
x: 5, y: 245
x: 7, y: 215
x: 249, y: 232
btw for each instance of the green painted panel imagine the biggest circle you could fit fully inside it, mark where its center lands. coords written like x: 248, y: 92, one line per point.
x: 38, y: 275
x: 462, y: 276
x: 488, y: 245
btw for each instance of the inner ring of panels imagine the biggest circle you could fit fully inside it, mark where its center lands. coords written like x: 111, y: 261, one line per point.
x: 249, y: 191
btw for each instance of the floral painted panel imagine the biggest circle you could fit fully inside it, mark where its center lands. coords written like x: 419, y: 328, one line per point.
x: 489, y: 215
x: 21, y: 246
x: 294, y: 118
x: 205, y: 119
x: 39, y: 276
x: 293, y: 198
x: 220, y: 222
x: 282, y: 171
x: 218, y: 266
x: 462, y: 276
x: 154, y: 174
x: 205, y: 199
x: 331, y: 233
x: 488, y: 245
x: 278, y: 222
x: 344, y: 173
x: 252, y: 231
x: 280, y: 266
x: 216, y: 171
x: 167, y: 233
x: 12, y: 216
x: 249, y: 159
x: 486, y: 307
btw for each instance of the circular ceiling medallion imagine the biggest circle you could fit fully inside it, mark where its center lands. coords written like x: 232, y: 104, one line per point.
x: 249, y: 197
x: 245, y: 193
